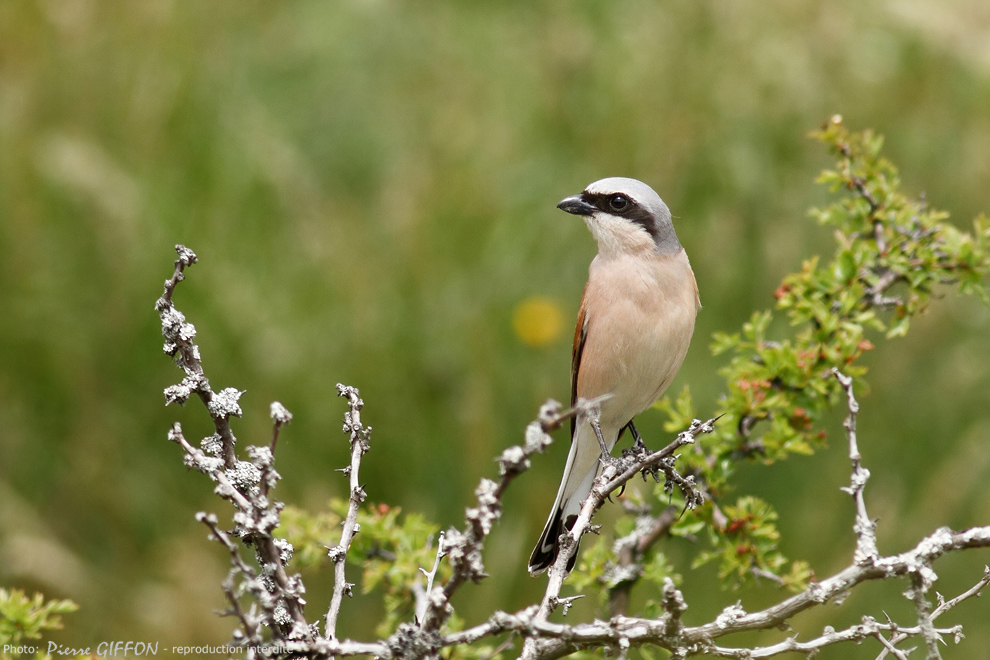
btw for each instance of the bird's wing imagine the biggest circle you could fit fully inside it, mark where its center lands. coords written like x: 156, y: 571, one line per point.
x: 580, y: 336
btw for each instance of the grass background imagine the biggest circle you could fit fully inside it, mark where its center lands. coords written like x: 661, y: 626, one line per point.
x: 370, y: 186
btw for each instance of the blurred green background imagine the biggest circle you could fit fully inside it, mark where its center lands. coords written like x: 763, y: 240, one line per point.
x: 370, y: 186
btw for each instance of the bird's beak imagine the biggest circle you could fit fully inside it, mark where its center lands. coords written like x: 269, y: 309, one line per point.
x: 577, y: 206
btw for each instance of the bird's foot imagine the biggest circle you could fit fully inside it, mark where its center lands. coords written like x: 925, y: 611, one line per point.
x: 638, y: 451
x: 618, y: 463
x: 638, y: 444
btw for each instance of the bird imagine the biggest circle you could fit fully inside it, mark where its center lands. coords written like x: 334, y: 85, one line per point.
x: 633, y: 330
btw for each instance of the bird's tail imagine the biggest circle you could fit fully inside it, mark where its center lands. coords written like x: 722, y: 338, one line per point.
x: 579, y: 474
x: 545, y: 553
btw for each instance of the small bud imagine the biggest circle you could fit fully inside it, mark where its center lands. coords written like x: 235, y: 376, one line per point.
x: 186, y: 256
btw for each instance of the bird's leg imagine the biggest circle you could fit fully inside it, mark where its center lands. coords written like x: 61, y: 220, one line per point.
x: 640, y: 449
x: 601, y: 438
x: 606, y: 457
x: 638, y: 439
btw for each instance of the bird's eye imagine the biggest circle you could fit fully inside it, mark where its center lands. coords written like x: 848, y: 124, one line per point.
x: 618, y: 202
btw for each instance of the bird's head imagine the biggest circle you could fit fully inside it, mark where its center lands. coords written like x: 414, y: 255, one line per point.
x: 625, y: 216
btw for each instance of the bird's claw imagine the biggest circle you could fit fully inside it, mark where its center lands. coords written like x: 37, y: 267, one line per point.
x: 653, y: 471
x: 608, y: 459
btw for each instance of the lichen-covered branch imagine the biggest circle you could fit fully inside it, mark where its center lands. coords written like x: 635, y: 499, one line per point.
x: 251, y: 624
x: 245, y: 484
x: 920, y: 583
x: 179, y: 344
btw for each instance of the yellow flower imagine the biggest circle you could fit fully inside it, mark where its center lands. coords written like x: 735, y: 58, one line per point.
x: 538, y: 321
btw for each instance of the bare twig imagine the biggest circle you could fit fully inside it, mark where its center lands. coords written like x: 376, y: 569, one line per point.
x: 865, y: 528
x: 969, y: 593
x: 631, y: 550
x: 889, y: 647
x: 280, y: 417
x: 359, y: 437
x: 430, y: 577
x: 250, y: 625
x: 265, y: 457
x: 945, y: 607
x: 869, y: 628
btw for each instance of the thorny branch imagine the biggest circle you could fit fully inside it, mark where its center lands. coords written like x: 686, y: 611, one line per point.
x: 614, y: 474
x: 865, y: 528
x: 359, y: 437
x: 249, y: 620
x: 944, y: 606
x: 869, y: 628
x: 277, y: 597
x: 464, y: 548
x: 558, y: 639
x: 669, y: 633
x: 431, y: 575
x: 631, y: 551
x: 920, y: 582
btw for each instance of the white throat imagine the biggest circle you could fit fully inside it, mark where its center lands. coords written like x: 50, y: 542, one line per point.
x: 618, y: 237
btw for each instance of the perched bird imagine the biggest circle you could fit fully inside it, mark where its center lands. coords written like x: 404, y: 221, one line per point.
x: 634, y: 326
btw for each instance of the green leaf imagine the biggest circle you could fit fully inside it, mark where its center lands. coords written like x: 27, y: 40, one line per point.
x: 23, y: 618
